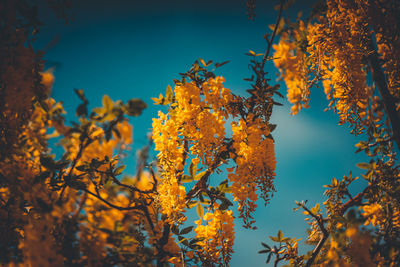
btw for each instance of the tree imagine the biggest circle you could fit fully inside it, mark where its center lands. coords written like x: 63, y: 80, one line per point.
x: 77, y: 208
x: 352, y: 47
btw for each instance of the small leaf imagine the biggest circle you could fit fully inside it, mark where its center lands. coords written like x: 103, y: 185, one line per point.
x: 186, y: 230
x: 192, y: 169
x: 265, y: 245
x: 273, y: 238
x: 272, y: 127
x: 200, y: 175
x: 181, y: 239
x: 217, y: 65
x: 81, y: 168
x: 174, y: 229
x: 203, y: 62
x: 119, y: 170
x: 191, y: 204
x: 252, y: 52
x: 200, y: 210
x: 156, y: 101
x: 76, y: 184
x: 280, y: 235
x: 135, y: 107
x: 186, y: 178
x: 108, y: 104
x: 364, y: 165
x: 99, y: 111
x: 169, y: 95
x: 82, y: 110
x: 47, y: 161
x: 81, y: 95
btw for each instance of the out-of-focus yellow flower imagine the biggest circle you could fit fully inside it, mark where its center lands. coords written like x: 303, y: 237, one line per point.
x: 48, y: 80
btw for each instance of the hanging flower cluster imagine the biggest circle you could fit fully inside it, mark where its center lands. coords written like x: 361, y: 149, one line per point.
x: 255, y: 163
x: 217, y: 237
x: 334, y: 50
x: 291, y: 63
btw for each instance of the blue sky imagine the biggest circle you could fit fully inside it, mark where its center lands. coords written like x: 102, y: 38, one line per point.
x: 131, y: 49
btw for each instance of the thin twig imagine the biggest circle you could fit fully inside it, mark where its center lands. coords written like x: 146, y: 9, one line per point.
x: 270, y: 41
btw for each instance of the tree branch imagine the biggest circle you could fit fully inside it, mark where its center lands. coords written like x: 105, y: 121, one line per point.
x: 270, y: 41
x: 379, y: 79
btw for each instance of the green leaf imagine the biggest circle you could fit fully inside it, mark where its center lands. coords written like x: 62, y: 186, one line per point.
x: 156, y: 101
x: 81, y: 95
x: 82, y: 110
x: 200, y: 175
x: 186, y: 178
x: 203, y: 62
x: 181, y: 239
x: 108, y: 104
x: 169, y: 95
x: 364, y: 166
x: 217, y: 65
x: 47, y: 161
x: 265, y: 245
x: 76, y: 184
x: 273, y: 238
x: 200, y: 210
x: 280, y: 235
x: 191, y: 204
x: 315, y: 209
x: 135, y: 107
x: 186, y: 230
x: 99, y: 111
x: 119, y: 170
x: 192, y: 169
x: 81, y: 168
x: 174, y: 229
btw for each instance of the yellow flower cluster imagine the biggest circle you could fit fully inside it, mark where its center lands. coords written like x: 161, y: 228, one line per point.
x: 171, y: 193
x: 255, y: 159
x: 375, y: 215
x: 336, y: 48
x: 193, y: 121
x: 218, y: 236
x: 195, y: 126
x: 292, y: 65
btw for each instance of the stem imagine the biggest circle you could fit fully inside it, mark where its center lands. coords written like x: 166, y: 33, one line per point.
x: 325, y: 234
x: 270, y: 41
x: 317, y: 249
